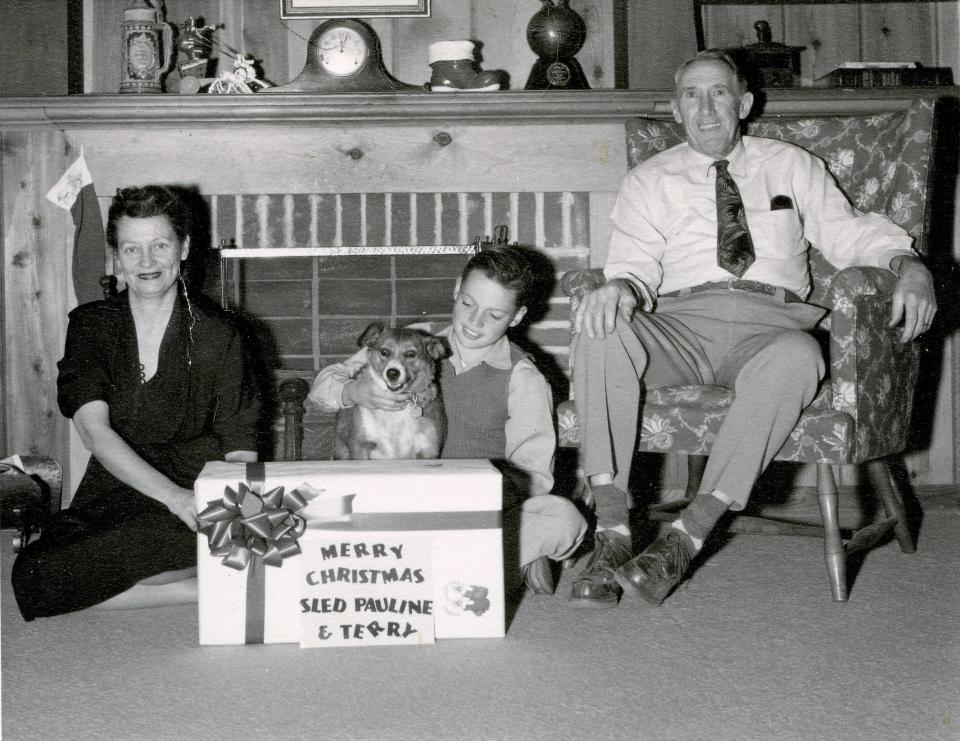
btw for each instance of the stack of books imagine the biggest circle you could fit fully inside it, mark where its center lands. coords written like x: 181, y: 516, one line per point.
x: 885, y: 74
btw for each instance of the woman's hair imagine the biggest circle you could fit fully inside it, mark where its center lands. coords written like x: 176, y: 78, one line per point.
x: 150, y: 200
x: 509, y: 266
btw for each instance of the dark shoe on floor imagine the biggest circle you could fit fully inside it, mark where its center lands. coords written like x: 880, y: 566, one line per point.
x: 595, y: 585
x: 654, y: 573
x: 539, y: 576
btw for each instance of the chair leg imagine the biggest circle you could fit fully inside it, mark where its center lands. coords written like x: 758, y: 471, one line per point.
x: 879, y: 472
x: 667, y: 511
x: 696, y: 464
x: 293, y: 392
x: 832, y: 541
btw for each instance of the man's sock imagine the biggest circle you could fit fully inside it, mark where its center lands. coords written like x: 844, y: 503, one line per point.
x: 700, y: 516
x: 621, y: 529
x: 612, y: 508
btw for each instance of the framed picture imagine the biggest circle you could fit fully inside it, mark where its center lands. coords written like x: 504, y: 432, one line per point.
x: 293, y: 9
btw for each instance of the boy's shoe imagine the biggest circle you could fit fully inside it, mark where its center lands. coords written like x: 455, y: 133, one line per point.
x: 596, y: 586
x: 539, y: 576
x: 654, y: 573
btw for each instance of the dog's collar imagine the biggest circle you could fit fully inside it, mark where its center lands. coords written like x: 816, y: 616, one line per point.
x: 419, y: 400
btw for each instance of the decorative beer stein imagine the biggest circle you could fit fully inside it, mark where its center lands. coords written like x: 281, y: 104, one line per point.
x: 147, y: 46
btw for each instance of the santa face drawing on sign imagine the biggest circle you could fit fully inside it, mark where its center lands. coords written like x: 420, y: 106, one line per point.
x: 466, y: 598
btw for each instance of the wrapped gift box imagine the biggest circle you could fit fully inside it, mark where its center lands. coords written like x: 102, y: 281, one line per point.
x: 335, y: 529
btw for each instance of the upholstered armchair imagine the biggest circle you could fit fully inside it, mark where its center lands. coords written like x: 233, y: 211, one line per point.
x: 884, y: 163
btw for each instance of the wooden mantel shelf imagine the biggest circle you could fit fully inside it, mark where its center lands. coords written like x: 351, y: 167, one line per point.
x: 516, y: 107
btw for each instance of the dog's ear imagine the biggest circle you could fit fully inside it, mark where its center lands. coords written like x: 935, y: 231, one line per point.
x: 437, y: 347
x: 370, y: 335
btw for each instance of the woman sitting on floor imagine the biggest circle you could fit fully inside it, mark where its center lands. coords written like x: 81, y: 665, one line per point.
x: 156, y: 386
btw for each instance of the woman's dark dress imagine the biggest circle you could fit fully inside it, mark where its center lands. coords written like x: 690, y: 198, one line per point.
x: 199, y: 406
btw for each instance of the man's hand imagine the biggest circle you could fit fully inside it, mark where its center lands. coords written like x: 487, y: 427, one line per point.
x: 365, y: 392
x: 598, y: 311
x: 914, y: 303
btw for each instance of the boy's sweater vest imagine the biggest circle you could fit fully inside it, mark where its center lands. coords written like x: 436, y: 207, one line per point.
x: 476, y: 405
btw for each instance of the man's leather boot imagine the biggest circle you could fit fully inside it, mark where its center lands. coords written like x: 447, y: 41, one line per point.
x: 654, y: 573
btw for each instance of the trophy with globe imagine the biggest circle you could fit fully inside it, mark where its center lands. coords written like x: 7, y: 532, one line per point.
x: 555, y: 34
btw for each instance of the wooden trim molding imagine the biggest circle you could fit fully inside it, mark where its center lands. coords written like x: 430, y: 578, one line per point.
x: 406, y: 109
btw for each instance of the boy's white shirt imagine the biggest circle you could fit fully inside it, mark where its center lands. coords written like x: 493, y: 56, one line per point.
x: 530, y: 438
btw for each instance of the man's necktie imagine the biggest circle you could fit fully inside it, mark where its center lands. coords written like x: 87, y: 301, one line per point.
x: 734, y: 246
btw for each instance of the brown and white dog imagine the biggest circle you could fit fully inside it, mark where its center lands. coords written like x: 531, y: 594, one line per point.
x: 398, y: 360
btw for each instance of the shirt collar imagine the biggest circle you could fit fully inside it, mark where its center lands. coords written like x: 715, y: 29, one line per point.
x: 498, y: 355
x: 737, y: 160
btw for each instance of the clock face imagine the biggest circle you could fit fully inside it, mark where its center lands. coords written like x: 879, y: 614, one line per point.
x: 341, y: 51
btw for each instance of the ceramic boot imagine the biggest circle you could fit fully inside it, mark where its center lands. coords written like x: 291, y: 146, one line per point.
x: 454, y: 69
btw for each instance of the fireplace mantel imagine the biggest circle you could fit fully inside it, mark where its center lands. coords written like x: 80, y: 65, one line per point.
x: 508, y: 107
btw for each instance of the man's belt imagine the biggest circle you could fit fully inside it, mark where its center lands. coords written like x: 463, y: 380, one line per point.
x: 752, y: 286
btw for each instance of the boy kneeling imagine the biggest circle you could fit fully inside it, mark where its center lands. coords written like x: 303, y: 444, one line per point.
x: 498, y: 406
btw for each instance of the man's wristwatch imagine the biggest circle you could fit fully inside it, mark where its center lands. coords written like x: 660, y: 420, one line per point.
x: 643, y: 298
x: 896, y: 263
x: 632, y: 289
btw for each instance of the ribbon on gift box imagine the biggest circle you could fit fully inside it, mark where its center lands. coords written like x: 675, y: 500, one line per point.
x: 409, y: 521
x: 247, y: 527
x: 245, y: 524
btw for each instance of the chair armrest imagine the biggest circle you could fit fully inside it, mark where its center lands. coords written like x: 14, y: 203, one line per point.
x: 872, y: 374
x: 574, y: 283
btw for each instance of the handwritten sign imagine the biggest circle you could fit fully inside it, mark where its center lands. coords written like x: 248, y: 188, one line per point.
x: 368, y: 590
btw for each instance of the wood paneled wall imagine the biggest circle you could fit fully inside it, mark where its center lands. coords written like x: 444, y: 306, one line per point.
x: 36, y: 299
x: 660, y: 35
x: 36, y: 48
x: 255, y: 28
x: 836, y: 33
x: 832, y: 33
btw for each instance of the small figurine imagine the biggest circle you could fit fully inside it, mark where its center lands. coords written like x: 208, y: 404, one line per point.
x: 238, y: 81
x: 195, y: 43
x: 197, y: 46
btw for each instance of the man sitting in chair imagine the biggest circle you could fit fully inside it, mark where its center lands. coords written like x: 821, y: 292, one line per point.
x: 706, y: 279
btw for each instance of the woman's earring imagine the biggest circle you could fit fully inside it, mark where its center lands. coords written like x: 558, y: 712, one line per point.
x: 193, y: 318
x: 186, y: 294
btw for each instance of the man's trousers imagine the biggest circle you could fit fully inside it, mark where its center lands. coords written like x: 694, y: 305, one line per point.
x: 756, y: 344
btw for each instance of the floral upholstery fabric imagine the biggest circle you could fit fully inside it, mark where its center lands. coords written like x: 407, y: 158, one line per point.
x: 882, y: 163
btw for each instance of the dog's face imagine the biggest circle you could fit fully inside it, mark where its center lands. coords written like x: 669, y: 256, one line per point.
x: 402, y: 359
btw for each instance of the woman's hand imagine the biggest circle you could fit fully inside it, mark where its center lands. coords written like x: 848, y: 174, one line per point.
x: 184, y: 506
x: 92, y: 421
